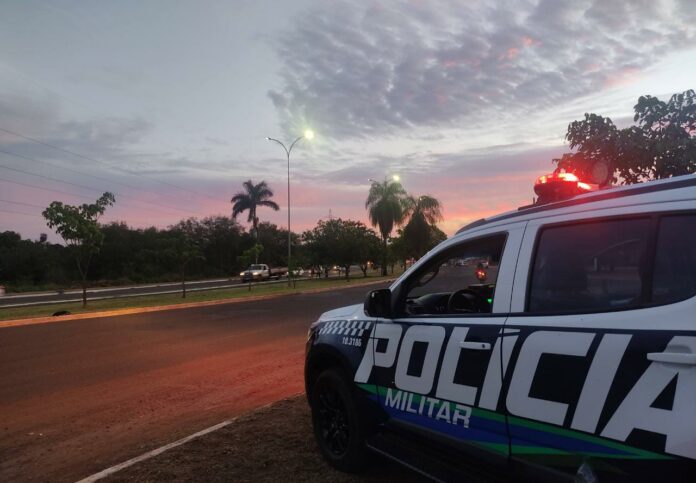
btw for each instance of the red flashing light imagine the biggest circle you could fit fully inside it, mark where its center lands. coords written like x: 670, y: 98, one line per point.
x: 560, y: 186
x: 562, y: 177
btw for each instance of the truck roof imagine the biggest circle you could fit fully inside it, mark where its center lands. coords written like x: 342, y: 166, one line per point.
x: 628, y: 195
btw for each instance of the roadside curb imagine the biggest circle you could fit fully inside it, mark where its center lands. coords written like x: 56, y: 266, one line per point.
x: 158, y: 308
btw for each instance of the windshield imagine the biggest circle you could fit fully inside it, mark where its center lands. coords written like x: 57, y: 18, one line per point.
x: 256, y: 267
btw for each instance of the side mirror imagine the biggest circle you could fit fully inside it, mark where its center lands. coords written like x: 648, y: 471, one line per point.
x: 378, y: 303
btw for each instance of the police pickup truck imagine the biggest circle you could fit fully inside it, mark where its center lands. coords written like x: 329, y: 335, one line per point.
x: 574, y: 358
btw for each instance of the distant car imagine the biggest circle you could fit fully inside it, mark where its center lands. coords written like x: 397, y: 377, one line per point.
x: 575, y: 361
x: 298, y: 272
x: 261, y: 271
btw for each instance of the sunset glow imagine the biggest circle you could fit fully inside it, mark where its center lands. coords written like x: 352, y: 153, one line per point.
x: 468, y: 115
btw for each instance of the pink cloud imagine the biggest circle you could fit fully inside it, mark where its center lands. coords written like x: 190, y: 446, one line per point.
x: 468, y: 188
x: 622, y: 77
x: 530, y: 42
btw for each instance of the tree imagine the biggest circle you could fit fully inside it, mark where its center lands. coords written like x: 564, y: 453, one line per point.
x: 253, y: 196
x: 437, y: 236
x: 341, y: 242
x: 356, y: 244
x: 370, y: 249
x: 385, y: 203
x: 424, y: 212
x: 186, y: 247
x: 223, y: 237
x: 661, y: 145
x: 79, y: 228
x: 275, y: 243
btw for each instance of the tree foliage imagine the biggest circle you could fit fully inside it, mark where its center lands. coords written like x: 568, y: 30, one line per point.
x: 407, y: 245
x: 193, y: 248
x: 385, y: 208
x: 250, y: 199
x: 341, y: 242
x: 79, y: 228
x: 423, y: 212
x: 661, y: 144
x: 186, y: 246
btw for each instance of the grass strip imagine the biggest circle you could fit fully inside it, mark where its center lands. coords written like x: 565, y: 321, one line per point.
x: 175, y: 298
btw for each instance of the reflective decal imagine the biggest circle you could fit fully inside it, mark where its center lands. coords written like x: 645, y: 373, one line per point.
x: 519, y: 402
x: 678, y: 423
x: 594, y: 388
x: 422, y: 382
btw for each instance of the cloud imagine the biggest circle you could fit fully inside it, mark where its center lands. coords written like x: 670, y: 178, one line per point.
x: 40, y: 117
x: 109, y: 155
x: 374, y: 68
x: 115, y: 142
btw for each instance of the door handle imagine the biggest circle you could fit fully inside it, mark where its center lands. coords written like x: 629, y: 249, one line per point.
x: 673, y: 358
x: 478, y: 346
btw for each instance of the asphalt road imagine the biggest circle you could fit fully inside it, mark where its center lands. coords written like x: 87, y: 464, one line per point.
x: 79, y: 396
x: 98, y: 293
x: 38, y: 298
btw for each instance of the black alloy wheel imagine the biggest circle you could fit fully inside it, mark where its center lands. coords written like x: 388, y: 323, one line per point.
x: 337, y: 428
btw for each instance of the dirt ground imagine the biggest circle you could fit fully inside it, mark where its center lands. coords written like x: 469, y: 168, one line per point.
x: 270, y: 444
x: 83, y: 395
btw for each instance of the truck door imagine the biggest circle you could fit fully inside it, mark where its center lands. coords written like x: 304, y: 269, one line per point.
x: 603, y: 372
x: 437, y: 364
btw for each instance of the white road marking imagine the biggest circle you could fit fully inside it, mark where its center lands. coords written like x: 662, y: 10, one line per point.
x: 154, y: 452
x: 150, y: 454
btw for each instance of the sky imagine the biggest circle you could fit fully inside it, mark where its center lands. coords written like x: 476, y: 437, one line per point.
x: 168, y: 104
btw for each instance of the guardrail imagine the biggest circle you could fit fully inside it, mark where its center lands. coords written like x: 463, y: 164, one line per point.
x: 78, y: 294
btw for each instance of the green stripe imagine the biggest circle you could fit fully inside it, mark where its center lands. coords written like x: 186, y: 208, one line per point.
x: 632, y: 452
x: 569, y: 433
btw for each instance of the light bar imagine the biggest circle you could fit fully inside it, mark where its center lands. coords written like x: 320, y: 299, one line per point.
x: 560, y: 186
x: 563, y: 177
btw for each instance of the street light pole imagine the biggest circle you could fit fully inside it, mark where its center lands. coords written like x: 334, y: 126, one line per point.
x: 309, y: 135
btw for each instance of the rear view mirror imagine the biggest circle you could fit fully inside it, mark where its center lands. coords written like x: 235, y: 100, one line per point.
x: 378, y: 303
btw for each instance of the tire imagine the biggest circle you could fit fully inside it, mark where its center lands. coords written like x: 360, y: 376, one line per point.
x: 337, y: 426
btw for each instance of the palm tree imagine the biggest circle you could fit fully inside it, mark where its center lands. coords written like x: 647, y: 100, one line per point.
x: 424, y: 212
x: 253, y: 196
x: 425, y: 207
x: 385, y: 205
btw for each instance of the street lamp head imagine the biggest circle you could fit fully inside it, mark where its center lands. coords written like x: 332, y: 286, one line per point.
x: 309, y: 134
x: 396, y: 178
x: 268, y: 138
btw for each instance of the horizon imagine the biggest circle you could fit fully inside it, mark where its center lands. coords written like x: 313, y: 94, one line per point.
x: 168, y: 106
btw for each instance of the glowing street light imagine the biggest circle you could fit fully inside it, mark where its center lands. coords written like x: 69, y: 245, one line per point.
x: 309, y: 135
x: 396, y: 178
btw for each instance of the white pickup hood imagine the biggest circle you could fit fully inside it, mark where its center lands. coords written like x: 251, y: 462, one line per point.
x: 347, y: 312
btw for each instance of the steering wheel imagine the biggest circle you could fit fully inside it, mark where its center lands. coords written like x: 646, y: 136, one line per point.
x: 466, y: 301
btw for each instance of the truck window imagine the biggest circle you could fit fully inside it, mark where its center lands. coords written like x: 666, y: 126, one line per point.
x: 460, y: 281
x: 675, y: 260
x: 591, y: 267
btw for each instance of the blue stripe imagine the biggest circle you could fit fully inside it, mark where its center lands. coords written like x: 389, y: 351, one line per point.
x: 529, y: 436
x: 479, y: 430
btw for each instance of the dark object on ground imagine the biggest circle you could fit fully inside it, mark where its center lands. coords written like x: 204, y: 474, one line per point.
x: 61, y: 312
